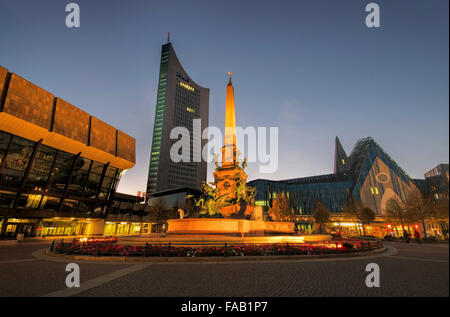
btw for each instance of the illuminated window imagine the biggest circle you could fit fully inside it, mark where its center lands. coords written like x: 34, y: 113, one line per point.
x: 190, y: 110
x: 343, y: 162
x: 186, y: 86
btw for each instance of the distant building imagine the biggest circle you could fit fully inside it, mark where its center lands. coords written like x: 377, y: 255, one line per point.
x: 421, y: 185
x: 59, y: 166
x: 173, y: 198
x: 179, y: 101
x: 437, y: 180
x: 128, y: 215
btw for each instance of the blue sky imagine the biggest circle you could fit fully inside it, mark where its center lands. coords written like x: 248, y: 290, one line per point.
x: 311, y: 68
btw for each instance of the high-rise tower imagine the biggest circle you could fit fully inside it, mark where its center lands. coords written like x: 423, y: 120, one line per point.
x: 179, y: 101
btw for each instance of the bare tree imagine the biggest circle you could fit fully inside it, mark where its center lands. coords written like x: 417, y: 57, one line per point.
x: 351, y: 211
x: 440, y: 213
x: 158, y: 211
x: 366, y: 216
x: 321, y: 215
x: 395, y: 209
x: 418, y: 208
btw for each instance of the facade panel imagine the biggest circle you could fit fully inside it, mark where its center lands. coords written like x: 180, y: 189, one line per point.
x: 71, y: 121
x: 3, y: 74
x: 126, y: 146
x: 29, y: 102
x: 103, y: 136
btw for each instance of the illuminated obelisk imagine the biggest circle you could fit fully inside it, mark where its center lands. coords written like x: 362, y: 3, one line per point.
x: 230, y: 171
x: 229, y: 142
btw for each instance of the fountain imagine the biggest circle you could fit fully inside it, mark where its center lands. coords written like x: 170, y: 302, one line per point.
x: 228, y: 203
x: 227, y: 206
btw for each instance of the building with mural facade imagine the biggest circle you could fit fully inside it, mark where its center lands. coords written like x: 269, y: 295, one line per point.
x: 368, y: 175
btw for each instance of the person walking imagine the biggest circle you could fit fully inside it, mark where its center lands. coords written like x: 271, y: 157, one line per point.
x: 406, y: 236
x: 417, y: 236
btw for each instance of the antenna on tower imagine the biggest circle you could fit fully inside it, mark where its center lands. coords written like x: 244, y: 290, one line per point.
x: 168, y: 37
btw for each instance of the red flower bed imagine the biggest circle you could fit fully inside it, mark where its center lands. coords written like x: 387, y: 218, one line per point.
x: 108, y: 247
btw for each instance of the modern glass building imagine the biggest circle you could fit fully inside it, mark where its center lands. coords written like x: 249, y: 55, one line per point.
x: 437, y: 181
x: 368, y: 175
x: 59, y: 166
x: 179, y: 101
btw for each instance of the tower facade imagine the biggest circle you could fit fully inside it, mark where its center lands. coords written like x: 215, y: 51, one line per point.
x: 179, y: 101
x: 341, y: 162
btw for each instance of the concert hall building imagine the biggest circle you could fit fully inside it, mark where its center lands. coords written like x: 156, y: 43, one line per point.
x: 59, y: 166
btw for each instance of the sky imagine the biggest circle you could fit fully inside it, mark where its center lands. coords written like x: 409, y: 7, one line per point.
x: 311, y: 68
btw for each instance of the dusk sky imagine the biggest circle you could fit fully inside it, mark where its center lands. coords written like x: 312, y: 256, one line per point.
x: 311, y: 68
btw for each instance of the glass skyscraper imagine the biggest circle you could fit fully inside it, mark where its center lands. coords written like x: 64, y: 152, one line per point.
x: 179, y: 101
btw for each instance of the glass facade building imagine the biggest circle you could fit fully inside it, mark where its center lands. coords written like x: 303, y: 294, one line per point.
x: 59, y: 166
x: 36, y: 176
x: 368, y: 174
x: 179, y: 102
x: 437, y: 181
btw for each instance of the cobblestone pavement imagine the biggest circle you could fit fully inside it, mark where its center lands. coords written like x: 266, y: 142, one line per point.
x: 414, y: 270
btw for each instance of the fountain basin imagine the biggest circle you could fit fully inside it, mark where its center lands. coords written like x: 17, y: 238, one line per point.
x: 227, y: 226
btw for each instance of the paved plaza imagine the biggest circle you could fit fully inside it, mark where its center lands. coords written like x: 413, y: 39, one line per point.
x: 405, y: 270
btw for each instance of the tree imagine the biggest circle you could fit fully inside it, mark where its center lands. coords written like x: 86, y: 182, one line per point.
x: 394, y: 208
x: 280, y: 210
x: 419, y: 208
x: 351, y: 211
x: 321, y: 215
x: 441, y: 214
x: 158, y: 211
x: 366, y: 216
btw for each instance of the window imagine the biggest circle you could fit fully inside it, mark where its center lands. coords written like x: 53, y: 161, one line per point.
x: 4, y: 141
x: 94, y: 179
x: 61, y: 171
x: 16, y: 161
x: 40, y: 169
x: 79, y: 176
